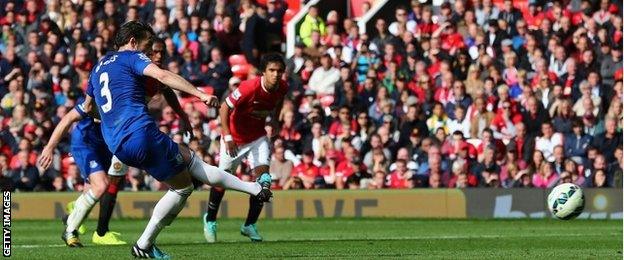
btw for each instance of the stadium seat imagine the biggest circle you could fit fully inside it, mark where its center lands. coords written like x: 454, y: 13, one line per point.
x: 295, y: 5
x: 288, y: 15
x: 241, y: 70
x: 237, y: 59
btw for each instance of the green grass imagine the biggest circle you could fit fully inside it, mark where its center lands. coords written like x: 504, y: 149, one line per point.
x: 344, y: 238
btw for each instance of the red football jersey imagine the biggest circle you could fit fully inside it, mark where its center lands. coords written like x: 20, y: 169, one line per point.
x: 251, y: 104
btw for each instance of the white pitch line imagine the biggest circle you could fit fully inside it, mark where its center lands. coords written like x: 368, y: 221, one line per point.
x: 382, y: 239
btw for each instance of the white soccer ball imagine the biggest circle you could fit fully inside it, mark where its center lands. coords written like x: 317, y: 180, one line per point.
x: 566, y: 201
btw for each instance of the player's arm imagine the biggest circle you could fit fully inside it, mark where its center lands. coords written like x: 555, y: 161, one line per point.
x: 74, y: 115
x: 276, y: 114
x: 224, y: 114
x: 173, y: 101
x: 89, y: 108
x: 175, y: 81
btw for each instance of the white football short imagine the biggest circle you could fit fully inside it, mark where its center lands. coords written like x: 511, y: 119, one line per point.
x: 258, y: 153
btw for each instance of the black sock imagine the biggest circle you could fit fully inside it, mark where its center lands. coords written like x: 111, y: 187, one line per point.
x: 107, y: 204
x: 255, y: 208
x: 214, y: 201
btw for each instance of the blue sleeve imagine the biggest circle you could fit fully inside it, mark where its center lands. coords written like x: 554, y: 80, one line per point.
x: 89, y: 90
x: 138, y: 62
x: 80, y: 109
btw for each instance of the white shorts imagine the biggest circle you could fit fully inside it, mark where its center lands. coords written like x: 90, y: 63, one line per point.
x: 117, y: 167
x: 258, y: 153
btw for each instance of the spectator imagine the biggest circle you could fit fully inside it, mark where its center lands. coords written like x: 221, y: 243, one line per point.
x: 25, y: 176
x: 608, y: 141
x: 229, y: 37
x: 281, y: 167
x: 548, y: 141
x: 401, y: 178
x: 311, y: 22
x: 576, y: 144
x: 254, y: 38
x: 600, y: 179
x: 324, y: 78
x: 480, y: 118
x: 402, y: 21
x: 305, y: 171
x: 218, y: 71
x: 546, y: 177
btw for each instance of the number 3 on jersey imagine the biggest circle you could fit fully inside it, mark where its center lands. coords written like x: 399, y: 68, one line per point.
x: 106, y: 92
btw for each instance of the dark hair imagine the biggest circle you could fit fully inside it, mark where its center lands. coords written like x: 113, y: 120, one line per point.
x: 158, y: 41
x: 133, y: 29
x: 271, y: 58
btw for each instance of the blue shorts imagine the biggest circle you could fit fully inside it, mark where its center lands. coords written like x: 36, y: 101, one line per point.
x: 152, y: 151
x: 91, y: 158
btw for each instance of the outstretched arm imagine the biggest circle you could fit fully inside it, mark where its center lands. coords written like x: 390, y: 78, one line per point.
x: 175, y: 81
x: 45, y: 159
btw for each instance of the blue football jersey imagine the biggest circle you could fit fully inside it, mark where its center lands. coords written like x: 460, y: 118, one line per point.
x: 116, y: 84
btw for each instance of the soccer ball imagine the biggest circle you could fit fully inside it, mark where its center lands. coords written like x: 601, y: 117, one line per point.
x: 566, y: 201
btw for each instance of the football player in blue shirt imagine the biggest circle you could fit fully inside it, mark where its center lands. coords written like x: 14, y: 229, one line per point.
x: 115, y: 89
x: 92, y: 157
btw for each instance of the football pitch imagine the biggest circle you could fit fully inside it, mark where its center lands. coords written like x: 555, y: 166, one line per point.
x: 364, y: 238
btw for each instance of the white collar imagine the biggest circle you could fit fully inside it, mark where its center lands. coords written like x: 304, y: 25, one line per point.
x: 262, y: 84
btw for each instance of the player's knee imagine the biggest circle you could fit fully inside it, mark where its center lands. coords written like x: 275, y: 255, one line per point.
x: 218, y: 189
x: 184, y: 192
x: 186, y: 153
x: 99, y: 187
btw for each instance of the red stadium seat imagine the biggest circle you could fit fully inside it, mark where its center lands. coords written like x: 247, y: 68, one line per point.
x: 241, y: 71
x: 294, y: 5
x: 237, y: 59
x: 288, y: 15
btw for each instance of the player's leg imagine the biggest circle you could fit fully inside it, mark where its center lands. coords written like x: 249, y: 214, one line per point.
x: 165, y: 211
x: 116, y: 175
x: 167, y: 161
x: 156, y: 153
x: 259, y: 160
x: 209, y: 220
x: 228, y: 164
x: 98, y: 182
x: 214, y: 176
x: 92, y: 170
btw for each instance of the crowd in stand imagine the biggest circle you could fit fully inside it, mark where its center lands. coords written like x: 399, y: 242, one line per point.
x: 455, y: 94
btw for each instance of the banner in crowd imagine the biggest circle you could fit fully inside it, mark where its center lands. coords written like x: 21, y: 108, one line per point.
x: 416, y: 203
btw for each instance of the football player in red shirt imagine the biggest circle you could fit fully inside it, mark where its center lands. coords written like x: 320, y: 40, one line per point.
x: 243, y: 116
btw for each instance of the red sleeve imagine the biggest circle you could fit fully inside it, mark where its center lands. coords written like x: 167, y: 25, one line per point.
x: 241, y: 95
